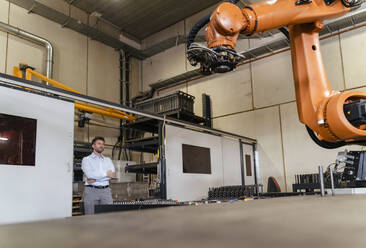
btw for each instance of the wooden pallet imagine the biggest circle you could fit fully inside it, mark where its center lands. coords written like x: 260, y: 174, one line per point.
x: 77, y: 201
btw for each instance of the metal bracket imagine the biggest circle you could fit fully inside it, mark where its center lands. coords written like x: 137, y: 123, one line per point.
x: 66, y: 22
x: 30, y: 10
x: 329, y: 2
x: 300, y: 2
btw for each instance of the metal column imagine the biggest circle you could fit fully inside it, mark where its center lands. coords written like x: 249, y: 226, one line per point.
x: 332, y: 180
x: 242, y: 163
x: 254, y: 145
x: 162, y: 161
x: 321, y: 180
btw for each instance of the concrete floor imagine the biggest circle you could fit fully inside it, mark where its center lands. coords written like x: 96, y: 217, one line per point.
x: 294, y: 222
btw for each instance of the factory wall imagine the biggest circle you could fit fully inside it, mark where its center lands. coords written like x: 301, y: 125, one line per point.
x: 225, y: 164
x: 42, y: 191
x: 81, y: 63
x: 258, y: 99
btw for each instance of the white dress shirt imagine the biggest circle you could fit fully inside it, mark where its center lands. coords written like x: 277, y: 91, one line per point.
x: 95, y: 167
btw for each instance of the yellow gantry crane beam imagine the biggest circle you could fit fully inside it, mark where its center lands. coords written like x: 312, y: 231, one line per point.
x: 30, y: 73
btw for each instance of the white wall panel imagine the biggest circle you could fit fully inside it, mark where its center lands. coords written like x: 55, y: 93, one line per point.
x: 262, y: 41
x: 242, y: 45
x: 353, y: 50
x: 103, y: 72
x: 230, y: 92
x: 22, y: 51
x: 263, y: 125
x: 43, y: 191
x: 225, y: 164
x: 231, y: 162
x: 273, y: 80
x: 164, y: 65
x: 184, y: 186
x: 332, y: 58
x: 135, y: 66
x: 3, y: 45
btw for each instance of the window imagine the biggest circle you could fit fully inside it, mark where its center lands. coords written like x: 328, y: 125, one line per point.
x: 248, y: 165
x: 196, y: 159
x: 17, y: 140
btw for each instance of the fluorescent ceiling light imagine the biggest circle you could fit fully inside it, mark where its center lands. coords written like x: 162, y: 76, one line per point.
x: 5, y: 139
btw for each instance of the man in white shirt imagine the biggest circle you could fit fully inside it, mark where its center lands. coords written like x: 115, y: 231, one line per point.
x: 98, y: 171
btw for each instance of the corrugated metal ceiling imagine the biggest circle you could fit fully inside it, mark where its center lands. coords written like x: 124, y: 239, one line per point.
x: 141, y: 18
x: 151, y: 25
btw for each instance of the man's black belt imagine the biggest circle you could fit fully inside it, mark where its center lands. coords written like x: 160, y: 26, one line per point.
x: 97, y: 187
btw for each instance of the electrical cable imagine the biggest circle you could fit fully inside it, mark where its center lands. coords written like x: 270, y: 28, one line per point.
x: 285, y: 32
x: 323, y: 143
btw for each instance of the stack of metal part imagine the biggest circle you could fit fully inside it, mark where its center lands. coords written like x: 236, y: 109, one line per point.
x: 311, y: 182
x: 136, y: 205
x: 354, y: 167
x: 349, y: 171
x: 307, y: 178
x: 148, y: 203
x: 232, y: 192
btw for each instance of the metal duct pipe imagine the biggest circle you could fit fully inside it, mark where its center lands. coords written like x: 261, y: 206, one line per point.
x: 33, y: 38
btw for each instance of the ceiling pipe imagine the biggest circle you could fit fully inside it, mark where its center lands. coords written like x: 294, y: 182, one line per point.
x: 66, y: 21
x: 35, y: 39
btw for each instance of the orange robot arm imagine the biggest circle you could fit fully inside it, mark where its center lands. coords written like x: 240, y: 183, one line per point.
x: 328, y: 113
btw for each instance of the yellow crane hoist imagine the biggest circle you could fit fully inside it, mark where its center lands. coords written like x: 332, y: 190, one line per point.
x: 27, y: 72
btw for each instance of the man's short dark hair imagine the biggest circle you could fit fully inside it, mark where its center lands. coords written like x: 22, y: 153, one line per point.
x: 97, y: 138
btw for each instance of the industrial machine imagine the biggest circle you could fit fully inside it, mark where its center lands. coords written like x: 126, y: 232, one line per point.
x: 333, y: 119
x: 351, y: 165
x: 349, y: 171
x: 233, y: 192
